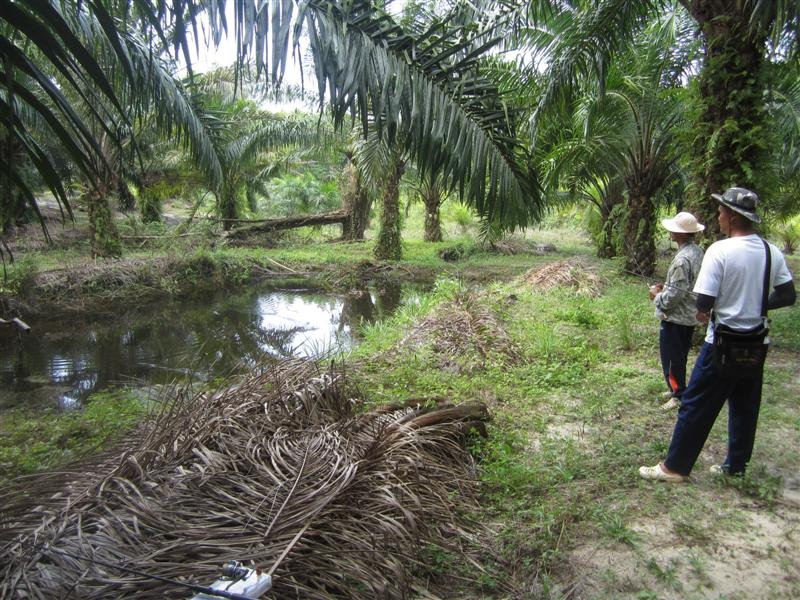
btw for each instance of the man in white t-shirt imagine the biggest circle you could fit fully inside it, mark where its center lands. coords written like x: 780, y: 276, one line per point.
x: 731, y: 282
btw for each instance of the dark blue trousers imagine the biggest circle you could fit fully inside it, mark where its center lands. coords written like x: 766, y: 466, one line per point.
x: 674, y: 341
x: 700, y: 405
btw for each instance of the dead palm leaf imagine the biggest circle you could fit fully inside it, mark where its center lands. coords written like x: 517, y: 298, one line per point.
x: 281, y: 471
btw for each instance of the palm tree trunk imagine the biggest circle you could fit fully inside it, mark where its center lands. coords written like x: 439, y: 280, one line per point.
x: 640, y: 249
x: 433, y: 221
x: 612, y: 209
x: 605, y: 242
x: 227, y: 207
x: 388, y: 246
x: 729, y: 146
x: 356, y: 202
x: 12, y: 203
x: 105, y: 237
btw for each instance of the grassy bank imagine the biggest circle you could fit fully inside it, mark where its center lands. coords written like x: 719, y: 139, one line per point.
x: 38, y: 284
x: 574, y: 384
x: 161, y: 261
x: 35, y: 441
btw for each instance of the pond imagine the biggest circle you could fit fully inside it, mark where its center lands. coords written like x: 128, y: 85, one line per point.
x: 62, y: 362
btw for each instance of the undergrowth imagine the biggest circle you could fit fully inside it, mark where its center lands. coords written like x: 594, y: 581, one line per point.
x: 31, y: 442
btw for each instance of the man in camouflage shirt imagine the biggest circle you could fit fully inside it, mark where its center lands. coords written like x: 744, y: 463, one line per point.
x: 675, y: 304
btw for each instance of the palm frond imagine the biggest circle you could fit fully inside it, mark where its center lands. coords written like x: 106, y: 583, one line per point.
x: 781, y: 19
x: 585, y: 43
x: 453, y: 120
x: 280, y: 471
x: 155, y: 90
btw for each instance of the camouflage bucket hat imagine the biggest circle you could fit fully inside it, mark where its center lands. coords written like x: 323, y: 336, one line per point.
x: 741, y: 200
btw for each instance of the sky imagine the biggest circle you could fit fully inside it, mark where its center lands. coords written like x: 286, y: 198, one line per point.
x: 210, y: 57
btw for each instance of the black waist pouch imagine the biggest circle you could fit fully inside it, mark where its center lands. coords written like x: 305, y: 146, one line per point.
x: 739, y: 353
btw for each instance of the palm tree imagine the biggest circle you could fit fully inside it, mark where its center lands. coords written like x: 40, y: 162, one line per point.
x: 729, y: 143
x: 247, y: 147
x: 621, y: 140
x: 364, y: 63
x: 381, y: 167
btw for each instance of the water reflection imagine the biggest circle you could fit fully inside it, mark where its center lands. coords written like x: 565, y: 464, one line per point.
x: 61, y: 363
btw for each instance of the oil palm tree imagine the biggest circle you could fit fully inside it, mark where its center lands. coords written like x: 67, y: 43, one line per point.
x: 729, y: 144
x: 381, y: 167
x: 622, y: 141
x: 364, y: 63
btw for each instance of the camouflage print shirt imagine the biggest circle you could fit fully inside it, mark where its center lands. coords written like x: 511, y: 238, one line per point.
x: 673, y: 303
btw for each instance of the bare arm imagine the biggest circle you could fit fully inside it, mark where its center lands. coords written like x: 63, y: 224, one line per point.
x: 704, y: 305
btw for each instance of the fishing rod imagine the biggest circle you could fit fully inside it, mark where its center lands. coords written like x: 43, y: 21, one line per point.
x: 233, y: 570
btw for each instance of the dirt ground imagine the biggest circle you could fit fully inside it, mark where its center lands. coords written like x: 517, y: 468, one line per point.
x: 710, y: 538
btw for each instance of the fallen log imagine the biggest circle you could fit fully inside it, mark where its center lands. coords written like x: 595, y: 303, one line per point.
x: 267, y: 225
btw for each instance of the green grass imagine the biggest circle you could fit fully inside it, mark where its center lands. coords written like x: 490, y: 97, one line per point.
x: 574, y: 419
x: 31, y: 442
x: 311, y: 250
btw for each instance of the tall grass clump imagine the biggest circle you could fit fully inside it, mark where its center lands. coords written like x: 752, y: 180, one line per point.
x: 17, y: 276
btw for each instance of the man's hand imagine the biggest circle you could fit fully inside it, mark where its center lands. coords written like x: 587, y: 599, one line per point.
x: 654, y: 290
x: 703, y: 316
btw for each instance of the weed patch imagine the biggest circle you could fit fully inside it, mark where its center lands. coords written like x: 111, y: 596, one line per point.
x: 31, y: 443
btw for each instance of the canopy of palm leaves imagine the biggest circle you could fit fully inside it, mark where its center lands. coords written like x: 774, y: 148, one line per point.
x: 427, y: 85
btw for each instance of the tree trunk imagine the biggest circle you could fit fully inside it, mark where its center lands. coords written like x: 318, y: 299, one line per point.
x: 355, y: 202
x: 730, y: 144
x: 433, y: 222
x: 104, y: 234
x: 268, y: 225
x: 605, y: 242
x: 612, y: 210
x: 640, y: 249
x: 149, y: 206
x: 227, y: 207
x: 12, y: 202
x: 388, y: 246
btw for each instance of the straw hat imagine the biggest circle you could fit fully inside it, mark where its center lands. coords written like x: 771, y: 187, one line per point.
x: 742, y: 200
x: 683, y: 222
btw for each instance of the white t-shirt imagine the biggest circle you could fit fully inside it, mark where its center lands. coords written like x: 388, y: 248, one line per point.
x: 733, y: 272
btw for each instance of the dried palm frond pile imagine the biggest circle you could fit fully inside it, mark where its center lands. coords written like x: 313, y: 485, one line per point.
x: 573, y: 273
x: 463, y: 333
x: 281, y: 472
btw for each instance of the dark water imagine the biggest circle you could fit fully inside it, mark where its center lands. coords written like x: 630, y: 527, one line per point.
x: 62, y: 362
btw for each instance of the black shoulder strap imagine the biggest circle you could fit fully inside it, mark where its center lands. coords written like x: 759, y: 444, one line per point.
x: 765, y: 294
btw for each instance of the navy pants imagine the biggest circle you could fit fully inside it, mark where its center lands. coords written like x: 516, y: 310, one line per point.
x: 700, y: 405
x: 674, y: 341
